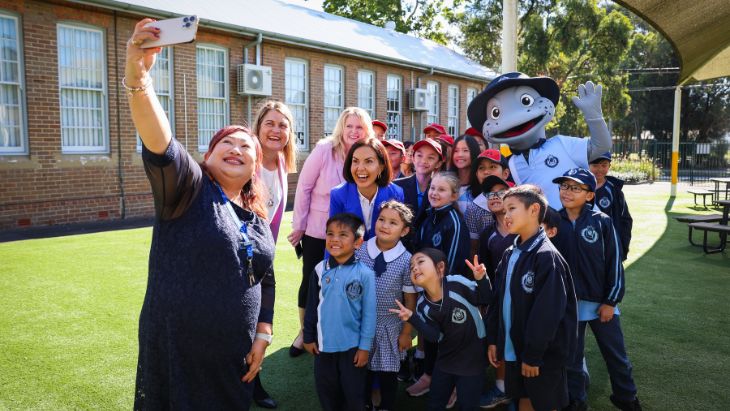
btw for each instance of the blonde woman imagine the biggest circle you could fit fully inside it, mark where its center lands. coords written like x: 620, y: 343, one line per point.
x: 321, y: 172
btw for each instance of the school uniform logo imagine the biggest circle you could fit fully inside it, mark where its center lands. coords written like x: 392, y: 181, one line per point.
x: 551, y: 161
x: 354, y: 290
x: 436, y: 240
x: 589, y: 234
x: 605, y: 202
x: 458, y: 315
x: 528, y: 282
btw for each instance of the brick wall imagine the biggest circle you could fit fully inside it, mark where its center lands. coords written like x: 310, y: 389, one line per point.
x: 47, y: 187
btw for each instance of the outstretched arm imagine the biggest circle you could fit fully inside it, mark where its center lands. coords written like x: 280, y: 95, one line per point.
x: 588, y: 101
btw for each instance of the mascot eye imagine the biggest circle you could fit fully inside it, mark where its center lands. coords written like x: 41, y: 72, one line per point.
x: 495, y: 112
x: 527, y: 100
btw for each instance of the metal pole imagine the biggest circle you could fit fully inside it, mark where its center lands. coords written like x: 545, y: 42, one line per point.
x: 509, y: 36
x: 675, y: 138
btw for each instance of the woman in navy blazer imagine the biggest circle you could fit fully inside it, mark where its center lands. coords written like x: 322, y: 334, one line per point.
x: 367, y: 184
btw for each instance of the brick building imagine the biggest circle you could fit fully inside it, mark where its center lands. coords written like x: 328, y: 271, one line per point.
x: 69, y: 151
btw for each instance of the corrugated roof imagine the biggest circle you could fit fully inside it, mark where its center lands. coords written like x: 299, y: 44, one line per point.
x: 307, y: 27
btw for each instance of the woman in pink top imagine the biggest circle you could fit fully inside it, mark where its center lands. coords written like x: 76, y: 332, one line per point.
x: 321, y: 172
x: 274, y: 129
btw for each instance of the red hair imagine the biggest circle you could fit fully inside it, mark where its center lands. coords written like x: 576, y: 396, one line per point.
x: 252, y: 193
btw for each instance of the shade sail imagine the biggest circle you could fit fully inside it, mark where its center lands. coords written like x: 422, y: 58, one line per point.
x: 699, y: 30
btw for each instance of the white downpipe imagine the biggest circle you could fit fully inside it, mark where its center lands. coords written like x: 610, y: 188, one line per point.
x: 509, y: 36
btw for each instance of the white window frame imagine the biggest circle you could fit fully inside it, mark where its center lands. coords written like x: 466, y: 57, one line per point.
x: 432, y: 115
x: 83, y: 149
x: 366, y: 100
x: 22, y: 148
x: 332, y: 111
x: 203, y: 145
x: 156, y: 79
x: 471, y: 94
x: 452, y: 113
x: 297, y: 107
x: 394, y: 118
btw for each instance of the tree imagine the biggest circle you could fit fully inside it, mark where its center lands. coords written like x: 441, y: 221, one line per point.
x: 420, y: 18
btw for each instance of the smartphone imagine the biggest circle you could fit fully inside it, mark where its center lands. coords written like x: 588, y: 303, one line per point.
x: 179, y: 30
x: 298, y: 249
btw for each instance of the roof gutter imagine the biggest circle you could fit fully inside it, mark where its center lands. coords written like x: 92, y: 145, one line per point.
x: 326, y: 47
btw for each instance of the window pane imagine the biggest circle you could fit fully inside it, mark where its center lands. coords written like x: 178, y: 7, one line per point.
x: 162, y: 77
x: 11, y: 108
x: 366, y: 91
x: 453, y: 111
x: 433, y: 102
x: 212, y: 98
x: 471, y: 93
x: 393, y: 107
x: 295, y: 92
x: 333, y: 101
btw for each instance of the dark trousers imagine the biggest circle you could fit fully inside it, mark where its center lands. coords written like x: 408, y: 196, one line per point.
x: 430, y: 352
x: 388, y: 382
x: 468, y: 389
x: 340, y: 385
x: 312, y: 254
x: 610, y: 341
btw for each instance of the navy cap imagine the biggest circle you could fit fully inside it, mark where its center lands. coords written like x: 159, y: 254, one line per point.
x: 580, y: 176
x: 477, y: 110
x: 492, y: 181
x: 604, y: 156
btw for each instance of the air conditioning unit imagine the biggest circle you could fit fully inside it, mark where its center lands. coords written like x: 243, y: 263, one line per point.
x: 254, y: 80
x: 418, y: 99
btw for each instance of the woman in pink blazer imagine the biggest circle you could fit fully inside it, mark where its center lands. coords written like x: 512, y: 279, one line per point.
x: 274, y: 127
x: 321, y: 172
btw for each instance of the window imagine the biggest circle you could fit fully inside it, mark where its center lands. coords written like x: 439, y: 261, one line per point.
x: 162, y: 80
x: 12, y: 108
x: 452, y: 122
x: 471, y: 93
x: 433, y: 102
x: 393, y: 107
x: 82, y: 89
x: 333, y: 97
x: 295, y: 85
x: 211, y: 63
x: 366, y: 91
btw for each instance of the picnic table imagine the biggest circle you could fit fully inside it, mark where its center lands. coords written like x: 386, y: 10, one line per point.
x: 718, y: 181
x: 721, y: 227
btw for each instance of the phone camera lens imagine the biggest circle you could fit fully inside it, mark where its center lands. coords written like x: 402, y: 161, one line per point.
x: 186, y: 25
x: 185, y: 19
x: 192, y: 18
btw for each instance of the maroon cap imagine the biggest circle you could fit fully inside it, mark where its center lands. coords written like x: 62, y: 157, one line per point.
x: 430, y: 143
x: 491, y: 154
x: 395, y: 144
x: 380, y: 124
x: 435, y: 127
x: 471, y: 131
x: 446, y: 139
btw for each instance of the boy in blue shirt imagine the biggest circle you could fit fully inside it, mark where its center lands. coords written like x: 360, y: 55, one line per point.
x: 610, y: 199
x: 339, y: 321
x: 532, y: 320
x: 588, y: 241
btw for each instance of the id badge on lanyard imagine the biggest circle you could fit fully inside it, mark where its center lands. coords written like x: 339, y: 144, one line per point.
x: 246, y: 243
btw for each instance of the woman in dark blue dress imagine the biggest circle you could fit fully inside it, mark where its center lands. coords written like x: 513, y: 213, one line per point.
x: 207, y: 313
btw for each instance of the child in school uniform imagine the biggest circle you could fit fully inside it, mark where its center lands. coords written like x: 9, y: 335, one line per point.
x: 448, y: 313
x: 389, y: 259
x: 610, y: 199
x: 588, y: 241
x: 532, y: 320
x: 340, y: 317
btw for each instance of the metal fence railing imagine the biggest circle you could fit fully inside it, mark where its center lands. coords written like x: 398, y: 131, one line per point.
x: 698, y: 162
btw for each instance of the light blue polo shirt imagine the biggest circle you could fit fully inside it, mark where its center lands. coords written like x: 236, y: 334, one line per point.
x: 509, y: 348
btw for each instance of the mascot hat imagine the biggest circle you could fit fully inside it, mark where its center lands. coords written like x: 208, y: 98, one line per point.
x: 477, y: 111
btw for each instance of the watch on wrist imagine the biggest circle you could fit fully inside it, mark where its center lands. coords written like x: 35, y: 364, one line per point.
x: 266, y: 337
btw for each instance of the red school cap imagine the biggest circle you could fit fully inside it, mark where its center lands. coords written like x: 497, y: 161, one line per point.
x: 430, y: 143
x: 395, y: 144
x: 435, y: 127
x: 380, y: 124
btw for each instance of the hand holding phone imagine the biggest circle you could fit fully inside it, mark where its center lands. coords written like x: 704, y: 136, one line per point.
x: 179, y: 30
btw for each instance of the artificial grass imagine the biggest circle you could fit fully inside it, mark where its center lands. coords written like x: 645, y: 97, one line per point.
x: 70, y: 306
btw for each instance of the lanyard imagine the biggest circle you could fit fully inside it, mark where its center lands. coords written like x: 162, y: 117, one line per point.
x: 243, y: 229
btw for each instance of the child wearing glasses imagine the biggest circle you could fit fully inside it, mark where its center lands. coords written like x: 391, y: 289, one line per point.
x: 588, y: 241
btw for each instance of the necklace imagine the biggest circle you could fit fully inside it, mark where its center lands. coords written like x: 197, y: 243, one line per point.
x: 270, y: 180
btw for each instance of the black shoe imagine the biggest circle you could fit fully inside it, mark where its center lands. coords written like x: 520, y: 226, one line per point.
x: 623, y: 405
x: 266, y: 403
x: 260, y: 396
x: 404, y: 374
x: 576, y: 406
x: 295, y: 352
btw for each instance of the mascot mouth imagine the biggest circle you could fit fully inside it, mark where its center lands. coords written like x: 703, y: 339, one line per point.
x: 520, y: 129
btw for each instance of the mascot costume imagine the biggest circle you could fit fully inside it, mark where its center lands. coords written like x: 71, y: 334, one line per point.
x: 514, y: 110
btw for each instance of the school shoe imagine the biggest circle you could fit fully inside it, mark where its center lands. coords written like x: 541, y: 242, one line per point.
x: 404, y: 373
x: 576, y: 406
x: 295, y: 351
x: 421, y: 387
x: 623, y: 405
x: 493, y: 398
x: 262, y: 398
x: 452, y: 400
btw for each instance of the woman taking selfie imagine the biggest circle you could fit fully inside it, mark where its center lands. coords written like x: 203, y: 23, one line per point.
x: 208, y: 309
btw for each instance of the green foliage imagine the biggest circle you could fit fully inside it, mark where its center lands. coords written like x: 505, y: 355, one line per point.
x: 633, y: 169
x: 419, y: 18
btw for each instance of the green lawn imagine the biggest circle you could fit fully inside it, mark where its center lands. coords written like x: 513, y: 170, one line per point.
x: 70, y: 305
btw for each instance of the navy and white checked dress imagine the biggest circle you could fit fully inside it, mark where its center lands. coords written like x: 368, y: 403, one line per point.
x: 384, y: 354
x: 478, y: 217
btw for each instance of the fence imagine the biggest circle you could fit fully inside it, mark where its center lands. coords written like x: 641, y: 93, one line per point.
x: 698, y: 162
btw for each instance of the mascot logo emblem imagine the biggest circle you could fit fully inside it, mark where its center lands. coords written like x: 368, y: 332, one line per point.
x: 436, y: 240
x: 458, y: 316
x: 528, y: 282
x: 589, y: 234
x: 605, y: 202
x: 551, y: 161
x: 354, y: 290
